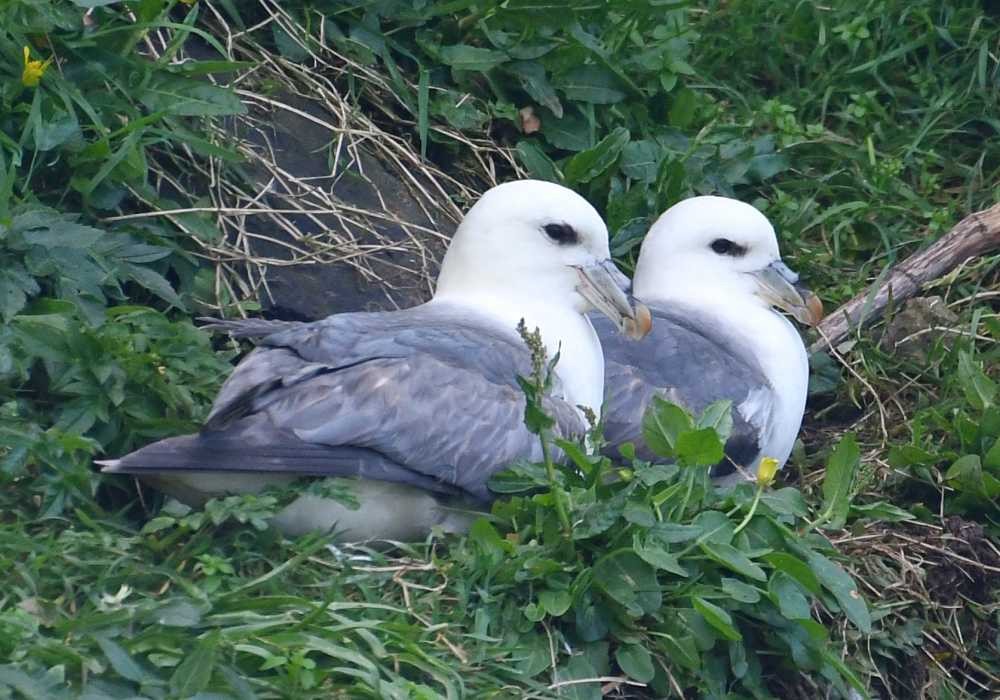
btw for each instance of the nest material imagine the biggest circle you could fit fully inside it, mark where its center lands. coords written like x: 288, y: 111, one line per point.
x: 332, y: 177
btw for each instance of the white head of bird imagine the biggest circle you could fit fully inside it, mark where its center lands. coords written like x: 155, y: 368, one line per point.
x: 716, y: 251
x: 538, y: 251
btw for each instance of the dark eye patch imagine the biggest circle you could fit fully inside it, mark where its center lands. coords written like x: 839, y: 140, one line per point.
x: 563, y: 234
x: 724, y: 246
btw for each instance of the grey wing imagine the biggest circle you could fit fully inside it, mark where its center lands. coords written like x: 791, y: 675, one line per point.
x: 384, y: 396
x: 689, y: 362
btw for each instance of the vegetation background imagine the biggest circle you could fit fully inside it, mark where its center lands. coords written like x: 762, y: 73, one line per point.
x: 863, y: 129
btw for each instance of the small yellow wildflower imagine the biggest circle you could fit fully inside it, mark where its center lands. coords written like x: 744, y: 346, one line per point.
x: 189, y: 3
x: 33, y: 70
x: 766, y: 471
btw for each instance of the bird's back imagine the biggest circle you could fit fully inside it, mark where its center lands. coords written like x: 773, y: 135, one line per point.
x: 688, y: 360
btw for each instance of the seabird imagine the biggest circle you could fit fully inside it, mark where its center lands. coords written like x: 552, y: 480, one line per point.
x: 422, y: 405
x: 711, y: 274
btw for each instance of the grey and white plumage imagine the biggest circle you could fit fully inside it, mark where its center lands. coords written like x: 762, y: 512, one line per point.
x: 421, y: 406
x: 710, y: 272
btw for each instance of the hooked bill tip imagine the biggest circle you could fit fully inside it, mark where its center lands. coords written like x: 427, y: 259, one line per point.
x: 640, y: 324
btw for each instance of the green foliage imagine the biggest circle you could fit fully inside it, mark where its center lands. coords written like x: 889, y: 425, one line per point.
x: 667, y: 579
x: 968, y: 461
x: 79, y: 374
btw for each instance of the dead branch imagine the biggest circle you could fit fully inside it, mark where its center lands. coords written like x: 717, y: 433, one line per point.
x: 976, y: 234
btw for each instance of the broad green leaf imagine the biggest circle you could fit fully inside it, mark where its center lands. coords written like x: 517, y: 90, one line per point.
x: 571, y: 133
x: 739, y: 590
x: 843, y: 588
x: 190, y: 98
x: 193, y: 674
x: 120, y: 660
x: 624, y: 577
x: 661, y: 425
x: 578, y: 668
x: 796, y: 568
x: 980, y: 390
x: 474, y: 58
x: 880, y: 510
x: 682, y: 649
x: 154, y: 282
x: 586, y: 165
x: 683, y: 105
x: 700, y: 448
x: 718, y: 415
x: 641, y: 160
x: 16, y: 285
x: 555, y: 603
x: 657, y: 556
x: 63, y: 234
x: 531, y: 76
x: 718, y: 618
x: 636, y: 661
x: 729, y: 556
x: 591, y: 83
x: 839, y: 478
x: 785, y: 501
x: 537, y: 163
x: 789, y: 598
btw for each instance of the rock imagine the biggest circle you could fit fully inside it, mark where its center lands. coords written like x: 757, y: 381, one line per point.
x: 373, y: 247
x: 908, y: 333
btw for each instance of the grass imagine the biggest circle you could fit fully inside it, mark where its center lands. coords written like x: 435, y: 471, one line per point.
x: 864, y: 130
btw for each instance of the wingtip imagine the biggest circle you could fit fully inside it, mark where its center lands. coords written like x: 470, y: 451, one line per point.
x: 108, y: 465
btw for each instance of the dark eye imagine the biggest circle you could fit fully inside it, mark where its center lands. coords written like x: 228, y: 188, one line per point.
x: 563, y: 234
x: 724, y: 246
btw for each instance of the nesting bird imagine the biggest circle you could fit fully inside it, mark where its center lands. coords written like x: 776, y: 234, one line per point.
x: 711, y: 274
x: 420, y: 405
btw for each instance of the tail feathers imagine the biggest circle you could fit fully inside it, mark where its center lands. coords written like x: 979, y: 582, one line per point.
x: 276, y: 453
x: 246, y: 328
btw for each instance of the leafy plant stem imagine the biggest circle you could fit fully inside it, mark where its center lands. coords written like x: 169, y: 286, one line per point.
x: 750, y: 513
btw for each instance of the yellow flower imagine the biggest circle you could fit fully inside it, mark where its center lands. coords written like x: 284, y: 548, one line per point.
x: 189, y: 3
x: 33, y: 70
x: 766, y: 471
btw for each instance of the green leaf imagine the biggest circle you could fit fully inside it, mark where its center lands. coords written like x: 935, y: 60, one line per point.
x: 641, y: 160
x: 657, y: 556
x: 537, y: 163
x: 593, y: 84
x: 661, y: 425
x: 785, y: 501
x: 880, y: 510
x: 16, y: 285
x: 154, y: 282
x: 740, y: 591
x: 682, y: 108
x: 636, y: 661
x: 796, y: 568
x: 571, y: 133
x: 786, y: 593
x: 531, y: 76
x: 979, y: 389
x: 189, y: 98
x: 837, y: 483
x: 717, y: 618
x: 120, y: 660
x: 624, y: 577
x: 578, y: 668
x: 474, y: 58
x: 555, y: 603
x: 718, y: 415
x: 843, y: 588
x: 193, y: 674
x: 729, y: 556
x: 699, y: 447
x: 586, y: 165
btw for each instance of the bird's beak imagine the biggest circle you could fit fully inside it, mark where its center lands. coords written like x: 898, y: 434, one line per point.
x: 606, y: 288
x: 779, y: 286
